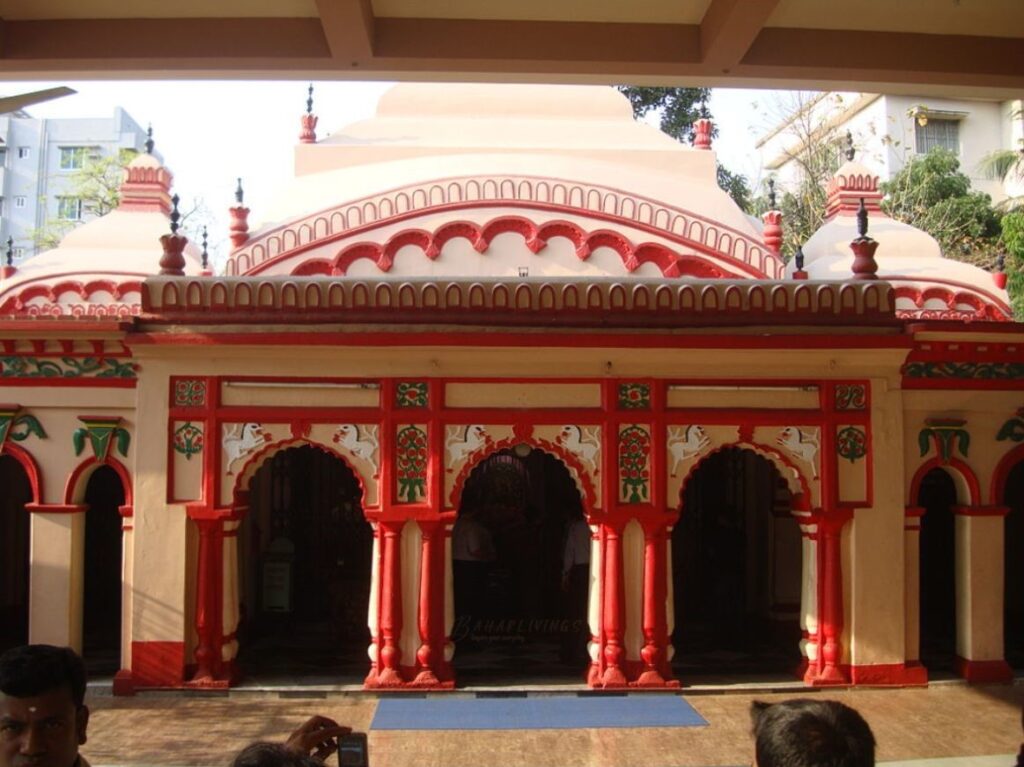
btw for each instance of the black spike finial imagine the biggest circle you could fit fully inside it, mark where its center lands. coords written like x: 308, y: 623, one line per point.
x: 1001, y: 263
x: 10, y: 251
x: 175, y: 215
x: 239, y: 193
x: 309, y: 100
x: 850, y: 151
x: 206, y: 255
x: 149, y: 139
x: 705, y: 113
x: 799, y: 258
x: 771, y: 193
x: 862, y: 220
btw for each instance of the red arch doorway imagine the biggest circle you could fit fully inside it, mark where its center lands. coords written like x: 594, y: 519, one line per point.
x: 101, y: 605
x: 1013, y: 542
x: 305, y: 552
x: 516, y: 616
x: 15, y: 492
x: 937, y: 496
x: 737, y: 571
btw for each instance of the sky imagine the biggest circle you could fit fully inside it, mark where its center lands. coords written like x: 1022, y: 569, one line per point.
x: 210, y: 133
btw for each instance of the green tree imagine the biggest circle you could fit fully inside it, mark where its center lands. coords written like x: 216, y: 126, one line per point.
x: 1013, y: 240
x: 678, y: 110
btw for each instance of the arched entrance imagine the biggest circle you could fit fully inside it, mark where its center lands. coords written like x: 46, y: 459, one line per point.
x: 1013, y: 541
x: 520, y: 560
x: 15, y: 492
x: 305, y: 553
x: 937, y: 496
x: 101, y: 607
x: 737, y: 569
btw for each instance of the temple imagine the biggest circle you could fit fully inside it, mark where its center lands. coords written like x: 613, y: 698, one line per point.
x: 509, y: 389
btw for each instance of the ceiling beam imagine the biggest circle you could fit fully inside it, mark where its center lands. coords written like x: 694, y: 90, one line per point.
x: 729, y: 28
x: 349, y: 27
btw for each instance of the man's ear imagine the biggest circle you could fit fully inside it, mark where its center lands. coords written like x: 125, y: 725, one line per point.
x: 82, y: 721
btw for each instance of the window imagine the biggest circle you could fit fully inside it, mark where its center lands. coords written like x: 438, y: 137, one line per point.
x: 24, y: 152
x: 73, y: 157
x: 19, y: 252
x: 69, y: 208
x: 19, y: 201
x: 943, y: 133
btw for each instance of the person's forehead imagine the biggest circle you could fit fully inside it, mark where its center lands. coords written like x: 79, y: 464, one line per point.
x: 53, y: 702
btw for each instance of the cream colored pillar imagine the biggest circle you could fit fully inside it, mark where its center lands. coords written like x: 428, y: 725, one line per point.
x: 127, y: 569
x: 809, y: 594
x: 57, y: 552
x: 912, y: 583
x: 231, y: 600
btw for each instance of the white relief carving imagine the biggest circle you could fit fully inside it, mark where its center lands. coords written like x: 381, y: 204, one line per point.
x: 240, y: 440
x: 462, y: 441
x: 685, y: 443
x: 362, y: 444
x: 581, y: 442
x: 803, y: 443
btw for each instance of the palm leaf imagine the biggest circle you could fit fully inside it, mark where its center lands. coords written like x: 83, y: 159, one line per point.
x: 1002, y: 164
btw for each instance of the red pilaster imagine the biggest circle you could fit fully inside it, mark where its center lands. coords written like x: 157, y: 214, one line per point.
x: 208, y: 605
x: 830, y: 612
x: 654, y: 620
x: 614, y: 608
x: 772, y: 232
x: 390, y: 605
x: 431, y: 618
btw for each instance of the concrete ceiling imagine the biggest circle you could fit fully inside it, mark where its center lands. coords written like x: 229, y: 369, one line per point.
x: 927, y: 47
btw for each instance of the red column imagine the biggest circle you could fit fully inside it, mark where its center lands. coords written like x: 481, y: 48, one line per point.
x: 613, y: 612
x: 431, y: 594
x: 830, y: 606
x: 208, y: 604
x: 390, y: 604
x: 654, y: 620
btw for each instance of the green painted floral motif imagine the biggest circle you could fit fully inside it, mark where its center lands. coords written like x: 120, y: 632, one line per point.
x: 65, y: 367
x: 634, y: 454
x: 189, y: 392
x: 411, y: 448
x: 946, y: 433
x: 1013, y: 429
x: 188, y: 440
x: 19, y: 428
x: 101, y: 433
x: 411, y: 394
x: 851, y: 396
x: 852, y: 443
x: 977, y: 370
x: 634, y: 396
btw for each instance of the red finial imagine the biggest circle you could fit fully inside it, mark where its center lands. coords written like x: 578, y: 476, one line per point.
x: 702, y: 133
x: 173, y: 260
x: 999, y: 275
x: 308, y: 133
x: 8, y: 268
x: 864, y: 264
x: 772, y: 234
x: 239, y: 227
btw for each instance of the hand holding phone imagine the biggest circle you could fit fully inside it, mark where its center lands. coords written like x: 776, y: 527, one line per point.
x: 317, y: 736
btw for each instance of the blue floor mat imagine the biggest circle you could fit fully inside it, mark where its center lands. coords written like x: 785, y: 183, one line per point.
x: 547, y: 712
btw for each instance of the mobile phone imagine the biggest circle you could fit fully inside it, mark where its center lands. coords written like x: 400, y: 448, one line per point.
x: 352, y: 750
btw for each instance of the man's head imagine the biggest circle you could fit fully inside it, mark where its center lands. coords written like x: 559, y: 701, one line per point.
x: 811, y: 733
x: 43, y: 718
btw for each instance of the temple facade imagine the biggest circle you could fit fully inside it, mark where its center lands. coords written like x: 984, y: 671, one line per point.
x: 481, y: 319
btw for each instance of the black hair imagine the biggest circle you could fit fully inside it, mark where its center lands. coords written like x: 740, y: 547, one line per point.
x: 811, y: 733
x: 273, y: 755
x: 34, y: 669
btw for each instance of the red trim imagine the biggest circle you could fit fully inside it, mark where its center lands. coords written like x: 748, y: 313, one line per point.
x: 983, y: 671
x: 965, y: 471
x: 768, y: 453
x: 158, y: 664
x: 55, y: 508
x: 981, y: 511
x: 997, y: 491
x: 124, y: 683
x: 946, y: 295
x: 31, y: 468
x: 888, y: 675
x: 84, y: 471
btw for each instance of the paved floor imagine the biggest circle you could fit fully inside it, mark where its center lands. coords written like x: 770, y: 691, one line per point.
x: 176, y: 729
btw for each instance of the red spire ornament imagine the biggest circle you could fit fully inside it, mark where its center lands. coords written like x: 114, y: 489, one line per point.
x: 8, y: 268
x: 999, y: 275
x: 173, y: 261
x: 772, y: 233
x: 702, y: 129
x: 864, y: 264
x: 239, y: 227
x: 308, y: 133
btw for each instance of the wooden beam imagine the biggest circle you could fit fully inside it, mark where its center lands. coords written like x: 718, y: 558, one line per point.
x: 728, y: 29
x: 349, y: 27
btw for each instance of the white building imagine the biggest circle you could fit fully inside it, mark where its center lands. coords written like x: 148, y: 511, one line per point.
x: 889, y: 130
x: 38, y: 158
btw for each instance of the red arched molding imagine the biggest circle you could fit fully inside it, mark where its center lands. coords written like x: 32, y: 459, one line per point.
x: 966, y: 475
x: 28, y: 463
x: 783, y: 465
x: 240, y: 491
x: 997, y: 493
x: 74, y: 489
x: 582, y: 479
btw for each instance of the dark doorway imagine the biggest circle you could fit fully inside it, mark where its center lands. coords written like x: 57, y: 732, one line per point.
x: 517, y: 615
x: 15, y: 492
x: 1014, y: 564
x: 101, y: 608
x: 737, y: 569
x: 937, y: 496
x: 305, y: 553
